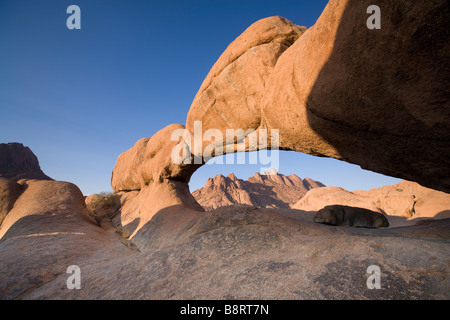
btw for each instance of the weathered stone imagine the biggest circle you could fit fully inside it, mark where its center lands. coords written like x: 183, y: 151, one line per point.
x: 247, y: 253
x: 339, y: 215
x: 377, y: 98
x: 231, y: 94
x: 47, y: 231
x: 405, y: 199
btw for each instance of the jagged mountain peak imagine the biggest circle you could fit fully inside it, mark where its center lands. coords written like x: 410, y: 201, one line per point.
x: 270, y: 189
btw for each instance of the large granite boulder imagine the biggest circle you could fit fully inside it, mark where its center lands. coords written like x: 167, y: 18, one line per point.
x: 339, y: 215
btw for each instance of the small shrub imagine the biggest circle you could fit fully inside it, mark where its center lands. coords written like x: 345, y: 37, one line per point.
x: 102, y: 205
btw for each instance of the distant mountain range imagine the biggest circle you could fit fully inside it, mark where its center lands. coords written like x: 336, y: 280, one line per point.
x: 270, y: 189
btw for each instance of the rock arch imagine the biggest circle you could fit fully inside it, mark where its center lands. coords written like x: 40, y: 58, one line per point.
x: 376, y: 98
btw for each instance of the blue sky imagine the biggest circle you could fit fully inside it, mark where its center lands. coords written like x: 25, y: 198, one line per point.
x: 79, y: 98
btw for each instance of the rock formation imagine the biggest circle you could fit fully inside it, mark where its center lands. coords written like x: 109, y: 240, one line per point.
x: 44, y: 226
x: 328, y: 95
x: 246, y: 64
x: 324, y: 90
x: 405, y: 199
x: 147, y: 169
x: 46, y: 231
x: 377, y: 98
x: 19, y: 162
x: 269, y: 190
x: 148, y: 181
x: 339, y: 215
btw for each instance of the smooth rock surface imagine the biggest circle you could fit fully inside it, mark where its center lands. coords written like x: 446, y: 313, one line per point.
x: 339, y: 215
x: 231, y: 94
x: 377, y: 98
x: 247, y: 253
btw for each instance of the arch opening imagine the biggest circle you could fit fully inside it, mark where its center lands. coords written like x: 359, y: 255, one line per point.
x: 238, y: 179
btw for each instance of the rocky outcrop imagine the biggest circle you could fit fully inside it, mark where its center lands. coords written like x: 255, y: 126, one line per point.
x: 232, y: 92
x: 46, y: 231
x: 339, y: 215
x: 376, y: 98
x: 253, y: 55
x: 148, y: 182
x: 19, y: 162
x: 227, y: 253
x: 405, y: 199
x: 140, y: 208
x: 268, y: 190
x: 148, y: 168
x: 337, y: 89
x: 150, y: 161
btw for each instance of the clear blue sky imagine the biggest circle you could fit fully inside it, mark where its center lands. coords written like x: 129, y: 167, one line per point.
x: 79, y: 98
